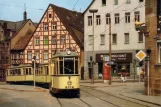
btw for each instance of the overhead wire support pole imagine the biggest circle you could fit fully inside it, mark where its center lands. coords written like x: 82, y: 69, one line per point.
x: 93, y: 11
x: 110, y: 49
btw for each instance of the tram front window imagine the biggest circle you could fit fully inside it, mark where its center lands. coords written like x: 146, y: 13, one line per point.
x: 68, y: 65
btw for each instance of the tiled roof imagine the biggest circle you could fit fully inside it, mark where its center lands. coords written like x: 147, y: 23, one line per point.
x: 23, y: 41
x: 73, y: 21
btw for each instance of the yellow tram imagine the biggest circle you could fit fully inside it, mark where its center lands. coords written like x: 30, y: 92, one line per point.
x: 65, y: 74
x: 22, y: 73
x: 61, y: 73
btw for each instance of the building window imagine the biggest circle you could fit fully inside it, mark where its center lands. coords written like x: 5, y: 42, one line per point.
x: 114, y: 38
x: 54, y: 40
x: 46, y: 41
x: 137, y: 16
x: 90, y: 38
x: 127, y: 17
x: 128, y: 1
x: 54, y: 26
x: 103, y: 2
x: 102, y: 39
x: 108, y: 19
x: 159, y: 51
x: 29, y: 55
x: 115, y: 2
x: 89, y: 20
x: 50, y: 15
x: 126, y: 38
x: 141, y: 0
x: 45, y: 55
x: 37, y: 41
x: 62, y: 40
x: 37, y: 54
x: 45, y: 27
x: 140, y: 37
x: 98, y: 19
x: 117, y: 18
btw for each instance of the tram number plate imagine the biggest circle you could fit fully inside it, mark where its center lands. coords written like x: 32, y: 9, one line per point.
x: 69, y: 87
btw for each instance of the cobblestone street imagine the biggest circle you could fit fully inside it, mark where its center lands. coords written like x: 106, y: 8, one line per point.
x: 92, y: 95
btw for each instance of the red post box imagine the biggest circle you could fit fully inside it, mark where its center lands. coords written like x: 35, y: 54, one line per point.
x: 106, y: 72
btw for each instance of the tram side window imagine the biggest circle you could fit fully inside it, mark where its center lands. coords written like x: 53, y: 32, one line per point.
x: 18, y: 71
x: 69, y: 65
x: 76, y: 66
x: 61, y: 67
x: 47, y: 70
x: 27, y: 71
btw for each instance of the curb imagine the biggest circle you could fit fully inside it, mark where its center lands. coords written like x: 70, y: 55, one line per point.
x: 141, y: 100
x: 104, y: 85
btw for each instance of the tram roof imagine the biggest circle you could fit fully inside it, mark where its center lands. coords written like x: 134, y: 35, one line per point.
x: 64, y: 54
x: 20, y: 66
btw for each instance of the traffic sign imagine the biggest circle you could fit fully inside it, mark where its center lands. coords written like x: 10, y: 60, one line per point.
x: 140, y: 55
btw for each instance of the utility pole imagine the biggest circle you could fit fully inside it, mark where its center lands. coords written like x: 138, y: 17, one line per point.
x: 34, y: 66
x: 110, y: 49
x: 93, y: 11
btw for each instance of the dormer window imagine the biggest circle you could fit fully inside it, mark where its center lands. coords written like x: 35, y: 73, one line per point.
x: 103, y: 2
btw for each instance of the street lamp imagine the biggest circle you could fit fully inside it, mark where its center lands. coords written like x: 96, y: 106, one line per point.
x: 33, y: 61
x: 93, y: 11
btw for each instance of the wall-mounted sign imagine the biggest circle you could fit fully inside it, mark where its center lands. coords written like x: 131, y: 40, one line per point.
x: 116, y: 57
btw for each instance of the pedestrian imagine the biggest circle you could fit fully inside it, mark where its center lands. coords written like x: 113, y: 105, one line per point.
x: 142, y: 73
x: 122, y: 77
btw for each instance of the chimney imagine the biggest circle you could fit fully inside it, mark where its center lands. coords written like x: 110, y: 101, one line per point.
x: 25, y: 16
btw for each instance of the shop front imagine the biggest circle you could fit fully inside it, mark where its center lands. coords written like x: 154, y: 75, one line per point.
x: 121, y: 63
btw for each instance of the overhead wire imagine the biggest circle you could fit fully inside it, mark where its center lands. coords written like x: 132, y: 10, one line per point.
x: 105, y: 17
x: 75, y: 4
x: 113, y: 24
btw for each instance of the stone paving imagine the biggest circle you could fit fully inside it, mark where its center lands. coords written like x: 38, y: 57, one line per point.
x: 127, y: 89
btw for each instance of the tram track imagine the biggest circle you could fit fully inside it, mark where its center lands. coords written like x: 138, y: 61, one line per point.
x: 89, y: 90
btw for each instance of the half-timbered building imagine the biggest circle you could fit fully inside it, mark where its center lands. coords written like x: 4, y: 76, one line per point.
x: 59, y: 29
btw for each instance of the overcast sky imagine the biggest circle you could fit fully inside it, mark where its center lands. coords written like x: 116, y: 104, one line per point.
x: 12, y: 10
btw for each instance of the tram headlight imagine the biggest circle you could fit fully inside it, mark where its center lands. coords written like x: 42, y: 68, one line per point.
x: 69, y: 82
x: 68, y: 52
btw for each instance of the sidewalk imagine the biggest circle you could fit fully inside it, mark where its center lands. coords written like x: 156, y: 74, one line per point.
x: 127, y: 90
x: 21, y: 88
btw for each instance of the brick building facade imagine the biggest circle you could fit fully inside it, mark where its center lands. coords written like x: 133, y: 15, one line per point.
x: 153, y: 43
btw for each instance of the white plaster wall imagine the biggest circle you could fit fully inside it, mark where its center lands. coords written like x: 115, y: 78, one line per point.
x: 120, y: 28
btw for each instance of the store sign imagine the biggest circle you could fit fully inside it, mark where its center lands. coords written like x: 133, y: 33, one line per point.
x: 117, y: 57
